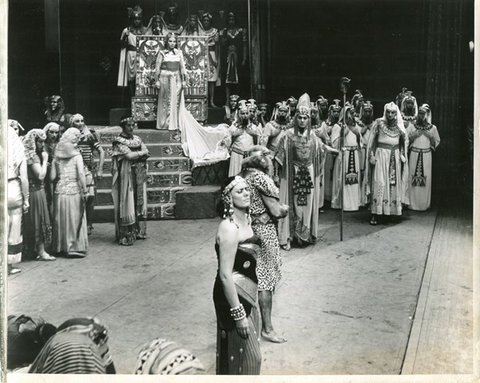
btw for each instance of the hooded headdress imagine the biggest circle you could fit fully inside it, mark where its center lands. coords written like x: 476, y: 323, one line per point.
x: 67, y: 148
x: 29, y: 142
x: 409, y: 97
x: 428, y: 112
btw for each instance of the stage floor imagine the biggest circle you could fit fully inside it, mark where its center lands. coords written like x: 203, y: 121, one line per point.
x: 390, y: 299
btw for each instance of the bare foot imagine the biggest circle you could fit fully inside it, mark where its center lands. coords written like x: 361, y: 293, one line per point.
x: 273, y: 337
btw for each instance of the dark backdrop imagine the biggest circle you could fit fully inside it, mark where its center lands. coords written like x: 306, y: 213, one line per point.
x: 382, y: 45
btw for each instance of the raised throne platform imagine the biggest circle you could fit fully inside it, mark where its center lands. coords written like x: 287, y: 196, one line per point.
x: 174, y: 189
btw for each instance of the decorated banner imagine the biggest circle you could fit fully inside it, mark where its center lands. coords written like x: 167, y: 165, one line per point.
x: 195, y: 55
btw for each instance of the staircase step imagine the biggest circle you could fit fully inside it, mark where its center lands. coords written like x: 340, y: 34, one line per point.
x: 154, y: 212
x: 158, y: 164
x: 154, y: 180
x: 156, y: 149
x: 154, y: 195
x: 106, y: 134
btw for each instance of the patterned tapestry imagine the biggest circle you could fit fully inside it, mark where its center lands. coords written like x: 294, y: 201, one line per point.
x: 195, y: 54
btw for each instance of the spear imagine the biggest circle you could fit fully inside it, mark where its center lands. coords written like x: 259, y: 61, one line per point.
x: 344, y: 85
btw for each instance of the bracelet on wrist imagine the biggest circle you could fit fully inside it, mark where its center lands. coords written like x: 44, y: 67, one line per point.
x: 238, y: 312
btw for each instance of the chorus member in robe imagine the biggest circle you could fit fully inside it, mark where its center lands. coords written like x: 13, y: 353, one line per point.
x: 300, y: 154
x: 17, y: 198
x: 424, y: 139
x: 408, y: 109
x: 235, y: 292
x: 129, y: 184
x: 240, y: 138
x: 52, y: 131
x: 192, y: 26
x: 70, y: 236
x: 265, y: 210
x: 365, y: 123
x: 388, y: 165
x: 213, y: 42
x: 231, y: 109
x: 234, y: 43
x: 322, y: 105
x: 16, y: 126
x: 352, y: 142
x: 80, y: 346
x: 88, y: 144
x: 38, y: 230
x: 325, y: 134
x: 128, y: 53
x: 274, y: 131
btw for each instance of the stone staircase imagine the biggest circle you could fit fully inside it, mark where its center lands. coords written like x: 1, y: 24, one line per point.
x: 169, y: 173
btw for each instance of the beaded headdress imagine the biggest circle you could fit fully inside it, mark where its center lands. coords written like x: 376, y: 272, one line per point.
x: 321, y: 100
x: 304, y: 106
x: 231, y: 185
x: 335, y: 106
x: 135, y: 12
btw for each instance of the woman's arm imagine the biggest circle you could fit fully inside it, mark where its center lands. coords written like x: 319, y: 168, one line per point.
x: 81, y: 174
x: 24, y: 181
x: 227, y: 237
x: 53, y: 171
x: 40, y: 171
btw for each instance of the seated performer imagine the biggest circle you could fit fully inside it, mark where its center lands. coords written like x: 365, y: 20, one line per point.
x: 198, y: 142
x: 80, y: 346
x: 163, y: 357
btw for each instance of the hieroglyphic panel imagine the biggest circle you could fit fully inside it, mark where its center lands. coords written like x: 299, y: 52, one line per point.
x: 195, y: 54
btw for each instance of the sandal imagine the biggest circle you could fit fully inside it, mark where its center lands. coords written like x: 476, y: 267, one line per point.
x: 286, y: 247
x: 45, y: 257
x: 14, y: 270
x: 373, y: 221
x: 273, y: 338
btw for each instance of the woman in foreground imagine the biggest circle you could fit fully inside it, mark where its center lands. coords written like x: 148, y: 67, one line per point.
x: 236, y: 288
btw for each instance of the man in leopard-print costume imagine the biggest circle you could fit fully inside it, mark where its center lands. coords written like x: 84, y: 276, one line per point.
x: 265, y: 209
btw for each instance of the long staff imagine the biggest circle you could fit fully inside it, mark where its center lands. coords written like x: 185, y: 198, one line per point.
x: 344, y: 85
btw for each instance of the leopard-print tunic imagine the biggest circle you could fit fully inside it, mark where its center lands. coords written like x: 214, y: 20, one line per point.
x: 269, y: 260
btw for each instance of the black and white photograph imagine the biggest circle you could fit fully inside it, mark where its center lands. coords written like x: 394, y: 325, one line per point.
x: 281, y: 188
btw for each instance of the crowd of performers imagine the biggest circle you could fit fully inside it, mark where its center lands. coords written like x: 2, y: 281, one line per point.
x: 227, y: 48
x: 283, y: 170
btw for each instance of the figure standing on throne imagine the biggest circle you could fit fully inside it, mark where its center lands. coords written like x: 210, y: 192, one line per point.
x: 171, y: 73
x: 171, y: 20
x: 234, y: 42
x: 192, y: 26
x: 154, y: 27
x: 199, y: 142
x: 213, y: 42
x: 128, y: 54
